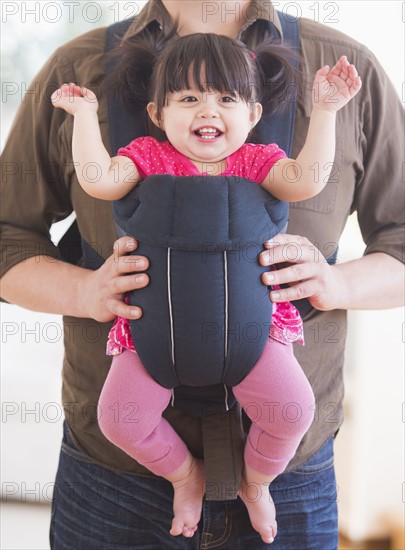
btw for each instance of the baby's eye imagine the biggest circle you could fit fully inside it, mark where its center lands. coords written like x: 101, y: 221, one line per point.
x: 189, y: 99
x: 228, y: 99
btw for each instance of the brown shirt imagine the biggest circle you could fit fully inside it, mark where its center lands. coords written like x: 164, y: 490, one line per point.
x: 40, y: 187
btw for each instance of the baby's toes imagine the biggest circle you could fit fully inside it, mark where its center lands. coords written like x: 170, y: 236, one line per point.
x: 177, y: 527
x: 269, y: 533
x: 189, y: 531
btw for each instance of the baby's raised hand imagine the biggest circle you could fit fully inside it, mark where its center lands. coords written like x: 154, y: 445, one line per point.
x: 335, y: 87
x: 71, y: 98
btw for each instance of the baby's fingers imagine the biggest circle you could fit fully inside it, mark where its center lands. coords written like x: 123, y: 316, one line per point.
x: 88, y: 95
x: 66, y: 91
x: 341, y: 67
x: 321, y: 74
x: 353, y: 72
x: 356, y: 86
x: 354, y: 81
x: 72, y: 90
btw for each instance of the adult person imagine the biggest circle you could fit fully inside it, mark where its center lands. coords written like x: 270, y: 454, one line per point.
x: 102, y: 498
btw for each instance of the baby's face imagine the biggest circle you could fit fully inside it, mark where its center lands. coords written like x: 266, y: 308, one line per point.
x: 208, y: 126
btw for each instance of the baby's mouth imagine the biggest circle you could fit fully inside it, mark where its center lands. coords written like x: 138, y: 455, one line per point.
x: 208, y: 133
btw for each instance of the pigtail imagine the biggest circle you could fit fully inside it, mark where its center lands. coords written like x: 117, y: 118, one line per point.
x: 279, y: 79
x: 134, y: 60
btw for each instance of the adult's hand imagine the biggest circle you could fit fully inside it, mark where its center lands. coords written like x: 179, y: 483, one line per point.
x: 104, y: 289
x: 304, y: 269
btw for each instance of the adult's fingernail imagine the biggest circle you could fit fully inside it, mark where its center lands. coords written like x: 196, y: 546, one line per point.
x: 130, y: 245
x: 139, y: 262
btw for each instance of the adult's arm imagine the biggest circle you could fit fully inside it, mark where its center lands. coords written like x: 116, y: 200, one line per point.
x: 375, y: 281
x: 42, y: 283
x: 36, y: 194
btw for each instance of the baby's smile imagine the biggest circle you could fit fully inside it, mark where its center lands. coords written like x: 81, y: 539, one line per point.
x: 208, y: 132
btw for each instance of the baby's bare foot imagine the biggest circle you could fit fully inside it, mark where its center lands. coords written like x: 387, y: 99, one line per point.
x: 261, y: 510
x: 189, y: 488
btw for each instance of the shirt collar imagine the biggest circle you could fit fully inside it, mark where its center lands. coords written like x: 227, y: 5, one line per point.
x: 155, y: 12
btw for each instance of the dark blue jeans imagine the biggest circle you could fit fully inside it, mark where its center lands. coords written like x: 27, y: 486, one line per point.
x: 97, y: 509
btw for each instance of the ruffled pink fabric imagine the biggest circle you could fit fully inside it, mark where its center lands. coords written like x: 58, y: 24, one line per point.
x: 120, y: 337
x: 286, y: 324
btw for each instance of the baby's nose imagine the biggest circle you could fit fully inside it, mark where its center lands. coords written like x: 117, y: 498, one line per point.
x: 208, y: 110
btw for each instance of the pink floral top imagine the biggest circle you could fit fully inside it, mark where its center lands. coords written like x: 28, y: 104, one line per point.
x: 251, y: 161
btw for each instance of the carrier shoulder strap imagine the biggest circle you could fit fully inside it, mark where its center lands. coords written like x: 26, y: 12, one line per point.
x: 278, y: 127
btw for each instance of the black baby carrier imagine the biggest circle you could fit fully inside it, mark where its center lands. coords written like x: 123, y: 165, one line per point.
x: 206, y: 312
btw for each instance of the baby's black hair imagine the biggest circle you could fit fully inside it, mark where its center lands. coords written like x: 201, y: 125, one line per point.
x: 207, y: 61
x: 154, y: 64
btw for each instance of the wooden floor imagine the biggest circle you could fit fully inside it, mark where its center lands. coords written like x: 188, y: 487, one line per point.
x: 345, y: 544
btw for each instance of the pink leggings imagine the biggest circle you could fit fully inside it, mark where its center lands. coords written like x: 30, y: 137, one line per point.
x: 276, y: 396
